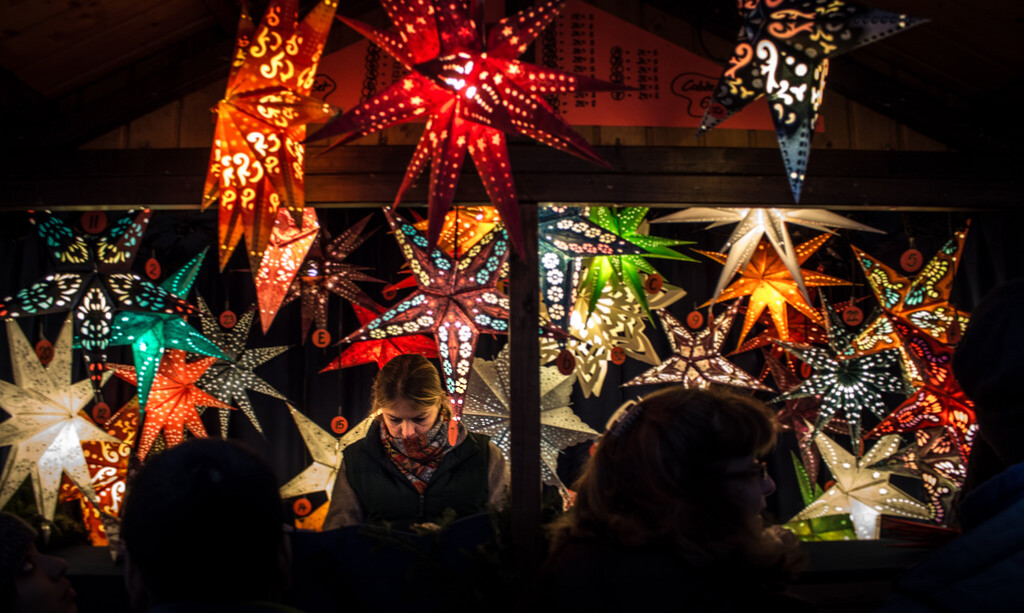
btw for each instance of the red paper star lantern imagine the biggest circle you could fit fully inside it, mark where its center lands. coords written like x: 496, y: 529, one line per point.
x: 173, y: 399
x: 383, y: 350
x: 289, y: 244
x: 473, y: 92
x: 256, y: 165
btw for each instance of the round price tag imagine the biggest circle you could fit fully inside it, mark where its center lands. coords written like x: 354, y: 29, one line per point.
x: 853, y: 315
x: 228, y: 319
x: 339, y: 424
x: 153, y: 269
x: 101, y: 412
x: 654, y: 283
x: 321, y: 338
x: 695, y: 320
x: 566, y: 362
x: 911, y: 260
x: 805, y: 370
x: 618, y: 355
x: 302, y: 507
x: 44, y: 351
x: 94, y: 222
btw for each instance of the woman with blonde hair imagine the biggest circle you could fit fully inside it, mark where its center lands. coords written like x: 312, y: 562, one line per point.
x: 408, y: 469
x: 669, y: 510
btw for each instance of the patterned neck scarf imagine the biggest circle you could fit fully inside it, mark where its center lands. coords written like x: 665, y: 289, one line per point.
x: 418, y: 456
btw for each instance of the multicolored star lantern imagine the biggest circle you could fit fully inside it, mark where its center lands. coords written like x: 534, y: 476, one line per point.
x: 628, y: 224
x: 228, y: 379
x: 473, y: 92
x: 463, y: 227
x: 862, y: 489
x: 325, y: 272
x: 150, y: 333
x: 380, y: 351
x: 566, y: 236
x: 257, y: 161
x: 46, y: 429
x: 696, y: 359
x: 611, y: 332
x: 108, y: 465
x: 173, y: 400
x: 922, y: 303
x: 939, y: 401
x: 782, y: 51
x: 326, y: 452
x: 289, y: 243
x: 752, y: 224
x: 457, y: 299
x: 487, y: 412
x: 770, y: 285
x: 846, y: 385
x: 933, y: 457
x: 95, y: 283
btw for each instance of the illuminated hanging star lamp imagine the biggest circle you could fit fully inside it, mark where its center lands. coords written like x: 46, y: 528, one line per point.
x: 566, y: 236
x: 922, y: 303
x: 696, y: 359
x: 228, y: 379
x: 754, y: 223
x: 174, y: 399
x: 456, y: 300
x: 463, y: 227
x: 46, y: 430
x: 862, y: 489
x: 381, y: 351
x: 257, y: 161
x: 487, y: 412
x: 286, y: 250
x: 628, y: 224
x: 326, y: 451
x: 933, y: 456
x: 93, y: 281
x: 611, y: 332
x: 939, y: 400
x: 770, y: 285
x: 150, y: 333
x: 473, y: 92
x: 325, y: 272
x: 846, y: 385
x: 108, y: 465
x: 782, y: 52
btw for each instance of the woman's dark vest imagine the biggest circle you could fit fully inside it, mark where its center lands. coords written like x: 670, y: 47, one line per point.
x: 385, y: 494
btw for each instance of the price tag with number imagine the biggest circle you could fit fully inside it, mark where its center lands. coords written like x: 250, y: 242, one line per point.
x: 228, y: 319
x: 911, y: 260
x: 654, y: 283
x: 153, y: 268
x: 618, y: 355
x: 566, y: 362
x: 339, y: 424
x: 695, y: 320
x: 101, y: 412
x: 94, y: 222
x: 853, y: 315
x: 302, y: 507
x: 44, y: 351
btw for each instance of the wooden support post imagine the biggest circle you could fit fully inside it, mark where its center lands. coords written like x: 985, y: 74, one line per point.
x: 524, y: 400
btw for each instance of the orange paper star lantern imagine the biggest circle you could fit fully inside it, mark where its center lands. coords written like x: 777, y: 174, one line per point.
x: 171, y: 407
x: 256, y: 165
x: 770, y: 285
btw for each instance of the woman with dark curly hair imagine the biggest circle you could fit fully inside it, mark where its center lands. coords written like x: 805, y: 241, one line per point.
x: 669, y: 509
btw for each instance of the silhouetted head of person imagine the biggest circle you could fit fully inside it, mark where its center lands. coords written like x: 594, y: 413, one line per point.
x: 989, y: 364
x: 29, y: 580
x: 203, y: 523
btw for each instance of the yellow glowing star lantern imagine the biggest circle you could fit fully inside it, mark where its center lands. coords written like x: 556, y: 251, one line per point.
x: 463, y: 227
x: 612, y: 331
x: 256, y: 165
x: 862, y: 488
x: 46, y: 429
x: 326, y: 450
x: 770, y: 285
